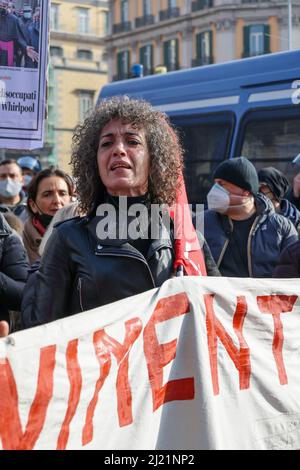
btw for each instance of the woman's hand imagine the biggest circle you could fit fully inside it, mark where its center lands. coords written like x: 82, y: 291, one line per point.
x: 4, y: 329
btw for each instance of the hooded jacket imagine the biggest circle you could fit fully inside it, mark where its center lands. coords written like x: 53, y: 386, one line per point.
x: 289, y: 262
x: 79, y: 271
x: 13, y: 270
x: 291, y: 212
x: 292, y: 198
x: 269, y: 235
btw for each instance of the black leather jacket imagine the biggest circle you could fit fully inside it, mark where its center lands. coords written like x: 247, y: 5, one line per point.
x: 79, y: 272
x: 13, y: 269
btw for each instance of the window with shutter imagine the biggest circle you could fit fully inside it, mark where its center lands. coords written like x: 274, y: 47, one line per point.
x: 84, y: 54
x: 123, y: 65
x: 204, y: 47
x: 266, y: 39
x: 246, y: 41
x: 56, y: 51
x: 54, y: 16
x: 146, y: 58
x: 172, y: 3
x: 256, y: 40
x: 86, y: 103
x: 171, y: 54
x: 82, y: 20
x: 147, y: 7
x: 124, y: 11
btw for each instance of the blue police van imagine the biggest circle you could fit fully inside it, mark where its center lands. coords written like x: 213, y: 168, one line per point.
x: 248, y: 107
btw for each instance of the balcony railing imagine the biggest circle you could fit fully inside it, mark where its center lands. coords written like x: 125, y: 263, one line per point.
x: 120, y: 76
x: 173, y: 66
x: 246, y: 54
x: 169, y: 13
x: 64, y: 28
x: 148, y: 71
x: 255, y: 1
x: 144, y: 21
x: 122, y: 27
x: 201, y: 4
x: 206, y: 60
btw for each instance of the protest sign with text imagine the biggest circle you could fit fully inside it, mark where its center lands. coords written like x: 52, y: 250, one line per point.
x: 201, y: 363
x: 23, y: 64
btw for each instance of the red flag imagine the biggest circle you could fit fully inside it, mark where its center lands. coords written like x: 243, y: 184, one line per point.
x: 189, y: 257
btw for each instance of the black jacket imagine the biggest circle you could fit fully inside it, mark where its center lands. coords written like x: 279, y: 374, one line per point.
x: 291, y: 212
x: 292, y: 198
x: 269, y: 235
x: 19, y: 209
x: 289, y: 262
x: 79, y: 272
x: 13, y: 269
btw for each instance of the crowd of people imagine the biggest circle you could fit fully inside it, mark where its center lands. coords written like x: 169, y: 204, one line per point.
x: 19, y: 35
x: 69, y: 244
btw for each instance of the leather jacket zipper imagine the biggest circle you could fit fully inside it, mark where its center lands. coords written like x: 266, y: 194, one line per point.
x: 132, y: 255
x: 80, y: 293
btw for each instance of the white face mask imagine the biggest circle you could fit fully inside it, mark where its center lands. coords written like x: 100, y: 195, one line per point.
x: 10, y: 188
x: 27, y: 179
x: 218, y: 199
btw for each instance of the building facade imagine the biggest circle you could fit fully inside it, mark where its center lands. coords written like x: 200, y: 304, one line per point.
x: 173, y: 34
x: 78, y: 69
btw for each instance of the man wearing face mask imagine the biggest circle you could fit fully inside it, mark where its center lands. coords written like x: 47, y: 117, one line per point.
x: 12, y: 198
x: 30, y: 167
x: 242, y: 229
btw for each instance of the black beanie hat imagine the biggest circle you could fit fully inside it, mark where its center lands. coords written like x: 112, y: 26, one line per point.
x: 275, y: 180
x: 239, y: 171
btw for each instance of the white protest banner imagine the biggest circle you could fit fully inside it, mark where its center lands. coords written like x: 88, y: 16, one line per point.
x: 23, y: 63
x: 201, y: 363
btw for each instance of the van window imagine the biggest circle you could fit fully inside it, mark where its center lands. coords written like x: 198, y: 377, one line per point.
x: 272, y: 138
x: 206, y: 141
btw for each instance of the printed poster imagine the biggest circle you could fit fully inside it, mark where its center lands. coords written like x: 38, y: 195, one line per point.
x: 23, y: 63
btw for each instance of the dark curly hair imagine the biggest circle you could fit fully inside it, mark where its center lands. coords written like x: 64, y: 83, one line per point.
x: 166, y: 154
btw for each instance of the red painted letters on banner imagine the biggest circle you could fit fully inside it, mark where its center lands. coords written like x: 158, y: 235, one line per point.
x: 215, y: 330
x: 105, y: 346
x: 275, y: 305
x: 75, y: 378
x: 159, y: 355
x: 10, y: 425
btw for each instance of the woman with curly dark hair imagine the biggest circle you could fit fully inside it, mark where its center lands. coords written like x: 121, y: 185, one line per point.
x: 126, y: 158
x: 163, y: 149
